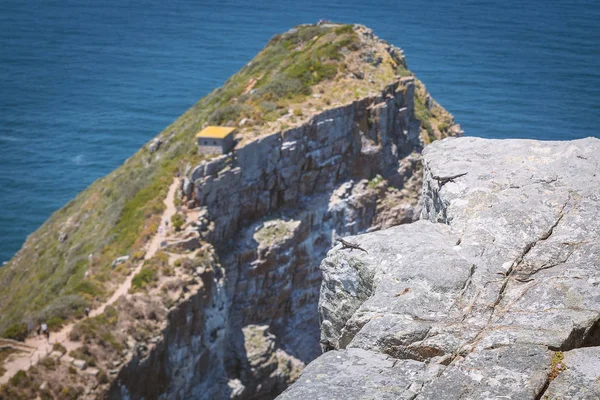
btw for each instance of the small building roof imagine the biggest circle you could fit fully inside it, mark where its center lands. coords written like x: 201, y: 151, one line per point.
x: 215, y: 132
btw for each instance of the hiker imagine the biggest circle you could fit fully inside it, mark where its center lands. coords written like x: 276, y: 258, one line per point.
x: 178, y: 174
x: 167, y: 223
x: 39, y: 330
x: 45, y: 331
x: 87, y: 311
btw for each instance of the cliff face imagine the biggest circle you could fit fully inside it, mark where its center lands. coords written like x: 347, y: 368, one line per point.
x: 494, y: 293
x: 272, y: 210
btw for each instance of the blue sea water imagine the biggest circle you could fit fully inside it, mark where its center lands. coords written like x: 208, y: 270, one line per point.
x: 84, y: 84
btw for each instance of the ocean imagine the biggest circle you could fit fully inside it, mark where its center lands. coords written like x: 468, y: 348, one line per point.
x: 84, y: 84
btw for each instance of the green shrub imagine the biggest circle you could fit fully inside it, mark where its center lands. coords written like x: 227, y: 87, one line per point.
x: 55, y: 323
x: 102, y: 378
x: 344, y: 29
x: 267, y: 106
x: 145, y: 276
x: 283, y: 87
x: 49, y: 363
x: 309, y: 32
x: 65, y: 307
x: 443, y: 126
x: 375, y: 182
x: 84, y: 353
x: 138, y: 255
x: 20, y: 379
x: 16, y: 332
x: 88, y: 287
x: 59, y: 347
x: 71, y: 393
x: 177, y: 220
x: 98, y: 328
x: 229, y: 113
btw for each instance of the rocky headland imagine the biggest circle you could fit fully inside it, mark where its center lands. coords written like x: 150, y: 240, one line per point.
x: 480, y: 277
x: 494, y: 293
x: 223, y: 302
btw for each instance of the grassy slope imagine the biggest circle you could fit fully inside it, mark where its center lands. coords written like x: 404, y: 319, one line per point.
x: 117, y: 214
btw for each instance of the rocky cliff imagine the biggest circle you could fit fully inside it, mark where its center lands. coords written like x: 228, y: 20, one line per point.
x: 493, y: 294
x: 330, y: 128
x: 272, y: 210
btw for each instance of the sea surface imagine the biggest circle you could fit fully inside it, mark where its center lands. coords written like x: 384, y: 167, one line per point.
x: 84, y: 84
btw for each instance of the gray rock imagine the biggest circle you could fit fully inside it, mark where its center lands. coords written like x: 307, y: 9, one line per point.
x: 580, y: 378
x: 154, y: 145
x: 360, y: 374
x: 67, y: 360
x: 510, y: 275
x: 187, y: 188
x: 80, y: 364
x: 56, y: 354
x: 92, y: 371
x: 198, y: 172
x: 120, y: 260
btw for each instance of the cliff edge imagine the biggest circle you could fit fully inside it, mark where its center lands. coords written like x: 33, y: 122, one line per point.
x: 493, y: 294
x: 201, y: 272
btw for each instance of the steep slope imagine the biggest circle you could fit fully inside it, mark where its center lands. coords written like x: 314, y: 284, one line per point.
x: 300, y: 73
x: 329, y: 142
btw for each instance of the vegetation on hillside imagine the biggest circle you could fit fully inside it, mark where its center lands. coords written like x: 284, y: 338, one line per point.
x: 305, y: 70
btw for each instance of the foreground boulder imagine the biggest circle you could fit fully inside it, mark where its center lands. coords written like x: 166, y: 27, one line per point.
x: 495, y: 293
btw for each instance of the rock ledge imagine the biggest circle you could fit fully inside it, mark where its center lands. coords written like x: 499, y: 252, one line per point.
x: 495, y: 293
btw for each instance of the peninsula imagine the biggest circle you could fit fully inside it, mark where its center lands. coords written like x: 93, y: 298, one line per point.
x: 200, y: 266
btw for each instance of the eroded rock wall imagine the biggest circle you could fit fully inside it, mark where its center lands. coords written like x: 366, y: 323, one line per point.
x: 495, y: 293
x: 367, y: 137
x: 272, y: 210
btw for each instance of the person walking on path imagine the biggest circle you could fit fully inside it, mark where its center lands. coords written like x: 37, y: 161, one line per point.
x: 87, y: 311
x: 45, y: 331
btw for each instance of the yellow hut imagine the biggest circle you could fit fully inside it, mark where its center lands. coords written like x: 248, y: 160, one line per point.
x: 215, y: 140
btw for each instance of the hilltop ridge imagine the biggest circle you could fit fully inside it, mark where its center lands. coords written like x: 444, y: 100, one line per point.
x: 116, y: 214
x: 330, y: 128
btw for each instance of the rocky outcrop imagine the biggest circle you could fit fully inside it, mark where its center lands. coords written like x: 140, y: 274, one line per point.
x: 272, y: 210
x: 495, y: 293
x: 371, y: 136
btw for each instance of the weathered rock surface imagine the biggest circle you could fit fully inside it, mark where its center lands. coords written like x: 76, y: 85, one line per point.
x: 581, y: 379
x: 503, y: 270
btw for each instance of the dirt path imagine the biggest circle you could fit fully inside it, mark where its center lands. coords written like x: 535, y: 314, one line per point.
x: 43, y: 347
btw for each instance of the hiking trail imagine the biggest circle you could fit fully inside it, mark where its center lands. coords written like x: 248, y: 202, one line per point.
x: 41, y: 347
